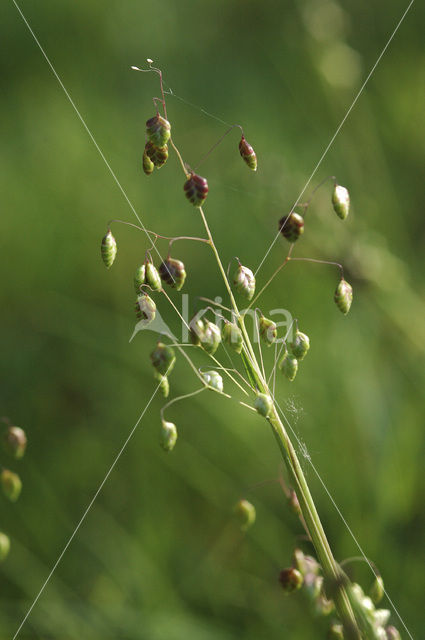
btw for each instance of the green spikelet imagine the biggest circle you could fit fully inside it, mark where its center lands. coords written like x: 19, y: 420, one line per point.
x: 377, y: 590
x: 268, y: 330
x: 158, y: 130
x: 152, y: 277
x: 164, y: 384
x: 248, y: 154
x: 244, y: 282
x: 291, y: 226
x: 108, y: 249
x: 210, y: 338
x: 245, y: 513
x: 300, y: 345
x: 4, y: 546
x: 147, y: 164
x: 163, y: 358
x: 214, y: 380
x: 157, y: 155
x: 232, y: 336
x: 197, y: 328
x: 263, y: 404
x: 139, y: 277
x: 11, y: 484
x: 145, y: 308
x: 168, y: 436
x: 15, y: 442
x: 172, y: 272
x: 341, y: 201
x: 289, y: 366
x: 343, y: 296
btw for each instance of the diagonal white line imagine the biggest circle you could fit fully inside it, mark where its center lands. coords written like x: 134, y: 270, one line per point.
x: 85, y: 126
x: 117, y: 457
x: 339, y: 128
x: 350, y: 531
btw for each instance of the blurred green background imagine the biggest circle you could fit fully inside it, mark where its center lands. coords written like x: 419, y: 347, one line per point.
x: 159, y: 555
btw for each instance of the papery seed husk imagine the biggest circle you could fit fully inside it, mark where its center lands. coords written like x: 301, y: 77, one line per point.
x: 300, y: 345
x: 173, y: 272
x: 145, y: 308
x: 108, y: 249
x: 211, y: 337
x: 289, y: 366
x: 197, y: 328
x: 268, y: 330
x: 263, y: 404
x: 214, y: 380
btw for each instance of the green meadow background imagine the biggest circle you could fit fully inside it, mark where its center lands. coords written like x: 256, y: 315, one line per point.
x: 159, y: 555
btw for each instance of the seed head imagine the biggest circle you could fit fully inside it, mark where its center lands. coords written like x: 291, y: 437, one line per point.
x: 11, y: 484
x: 163, y: 358
x: 196, y: 189
x: 268, y: 330
x: 263, y: 404
x: 172, y: 272
x: 291, y: 226
x: 158, y: 130
x: 291, y: 580
x: 213, y: 380
x: 108, y: 249
x: 147, y: 164
x: 152, y: 277
x: 4, y: 546
x: 139, y: 277
x: 244, y: 282
x: 168, y: 436
x: 157, y: 155
x: 145, y: 308
x: 210, y: 338
x: 15, y: 442
x: 341, y: 201
x: 232, y: 336
x: 343, y: 296
x: 289, y: 366
x: 245, y: 512
x: 248, y: 154
x: 300, y: 345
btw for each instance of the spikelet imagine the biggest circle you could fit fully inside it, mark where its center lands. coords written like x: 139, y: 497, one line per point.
x: 343, y: 296
x: 163, y: 358
x: 4, y: 546
x: 147, y: 164
x: 214, y: 380
x: 245, y: 513
x: 341, y: 201
x: 158, y: 130
x: 291, y: 226
x: 145, y: 308
x: 139, y: 277
x: 108, y: 249
x: 157, y: 155
x: 263, y: 404
x: 172, y: 272
x: 289, y: 366
x: 244, y: 282
x: 152, y: 277
x: 15, y: 442
x: 291, y: 580
x: 168, y: 436
x: 164, y: 385
x: 300, y: 345
x: 11, y: 484
x: 196, y: 189
x: 232, y: 336
x: 210, y: 337
x: 248, y: 154
x: 268, y: 330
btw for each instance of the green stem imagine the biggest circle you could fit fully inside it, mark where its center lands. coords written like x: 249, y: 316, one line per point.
x: 334, y: 578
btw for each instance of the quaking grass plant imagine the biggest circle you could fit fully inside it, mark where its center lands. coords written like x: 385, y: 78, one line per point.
x: 353, y: 614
